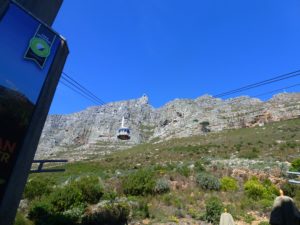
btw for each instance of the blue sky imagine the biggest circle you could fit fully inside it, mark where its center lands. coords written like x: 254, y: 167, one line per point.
x: 121, y: 49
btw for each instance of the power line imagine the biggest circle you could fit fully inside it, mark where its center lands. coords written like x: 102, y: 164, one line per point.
x: 83, y: 88
x: 274, y: 91
x: 261, y: 83
x: 254, y: 96
x: 75, y: 86
x: 75, y: 90
x: 243, y: 112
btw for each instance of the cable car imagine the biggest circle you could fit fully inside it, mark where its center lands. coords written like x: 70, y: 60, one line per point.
x: 123, y: 132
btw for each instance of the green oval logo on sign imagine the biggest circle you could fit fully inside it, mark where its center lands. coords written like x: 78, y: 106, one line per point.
x: 40, y: 47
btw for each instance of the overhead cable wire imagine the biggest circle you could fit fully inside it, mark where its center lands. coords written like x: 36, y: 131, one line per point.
x: 261, y: 83
x: 80, y: 87
x: 274, y: 91
x: 75, y: 90
x: 238, y: 100
x: 80, y: 90
x: 244, y: 112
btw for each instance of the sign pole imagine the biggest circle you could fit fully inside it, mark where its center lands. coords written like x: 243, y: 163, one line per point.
x: 25, y: 106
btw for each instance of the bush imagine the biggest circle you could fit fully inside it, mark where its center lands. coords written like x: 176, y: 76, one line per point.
x: 109, y: 214
x: 65, y: 198
x: 265, y: 205
x: 207, y: 181
x: 183, y: 170
x: 74, y: 214
x: 264, y: 223
x: 295, y: 165
x: 248, y: 218
x: 254, y: 189
x: 271, y: 191
x: 37, y: 187
x: 41, y: 213
x: 214, y: 208
x: 139, y: 183
x: 91, y: 188
x: 141, y: 211
x: 289, y: 189
x: 228, y: 184
x: 162, y: 186
x: 199, y: 166
x: 39, y: 210
x: 21, y: 220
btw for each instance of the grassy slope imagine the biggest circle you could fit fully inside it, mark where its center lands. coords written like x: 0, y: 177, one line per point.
x: 278, y: 141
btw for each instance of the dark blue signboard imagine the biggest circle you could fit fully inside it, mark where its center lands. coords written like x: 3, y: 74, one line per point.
x: 27, y: 51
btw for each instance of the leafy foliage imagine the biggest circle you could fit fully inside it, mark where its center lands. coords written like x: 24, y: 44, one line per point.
x: 264, y: 223
x: 66, y: 198
x: 199, y: 166
x: 140, y: 182
x: 207, y: 181
x: 37, y: 187
x: 256, y: 190
x: 228, y: 184
x: 162, y: 186
x: 214, y: 208
x: 289, y: 189
x: 21, y: 220
x: 41, y: 213
x: 295, y: 165
x: 91, y: 188
x: 110, y: 213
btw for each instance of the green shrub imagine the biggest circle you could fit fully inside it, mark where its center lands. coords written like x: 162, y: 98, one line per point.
x: 271, y: 191
x: 65, y: 198
x: 289, y: 189
x: 110, y: 214
x: 141, y: 210
x: 42, y: 213
x: 214, y: 208
x: 37, y: 187
x: 228, y: 184
x: 91, y: 188
x: 183, y: 170
x: 162, y: 186
x: 295, y: 165
x: 254, y: 189
x: 139, y: 183
x: 247, y: 203
x: 257, y: 190
x: 110, y: 196
x: 249, y: 154
x: 264, y: 223
x: 207, y: 181
x: 21, y: 220
x: 248, y: 218
x: 74, y: 214
x: 265, y: 205
x: 199, y: 166
x: 39, y: 210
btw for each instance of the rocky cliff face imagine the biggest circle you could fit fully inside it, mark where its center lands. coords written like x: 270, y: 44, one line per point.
x: 92, y: 132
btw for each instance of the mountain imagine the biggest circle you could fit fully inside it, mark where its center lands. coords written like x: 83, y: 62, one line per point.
x: 92, y: 132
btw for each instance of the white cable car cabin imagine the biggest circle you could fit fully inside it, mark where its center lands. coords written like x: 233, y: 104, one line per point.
x: 123, y: 132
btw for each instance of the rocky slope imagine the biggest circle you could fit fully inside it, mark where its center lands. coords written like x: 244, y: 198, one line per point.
x: 92, y: 132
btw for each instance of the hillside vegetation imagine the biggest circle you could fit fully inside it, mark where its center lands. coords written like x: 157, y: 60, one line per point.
x: 176, y: 181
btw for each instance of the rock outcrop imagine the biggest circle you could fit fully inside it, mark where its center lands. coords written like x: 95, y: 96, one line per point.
x: 92, y: 132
